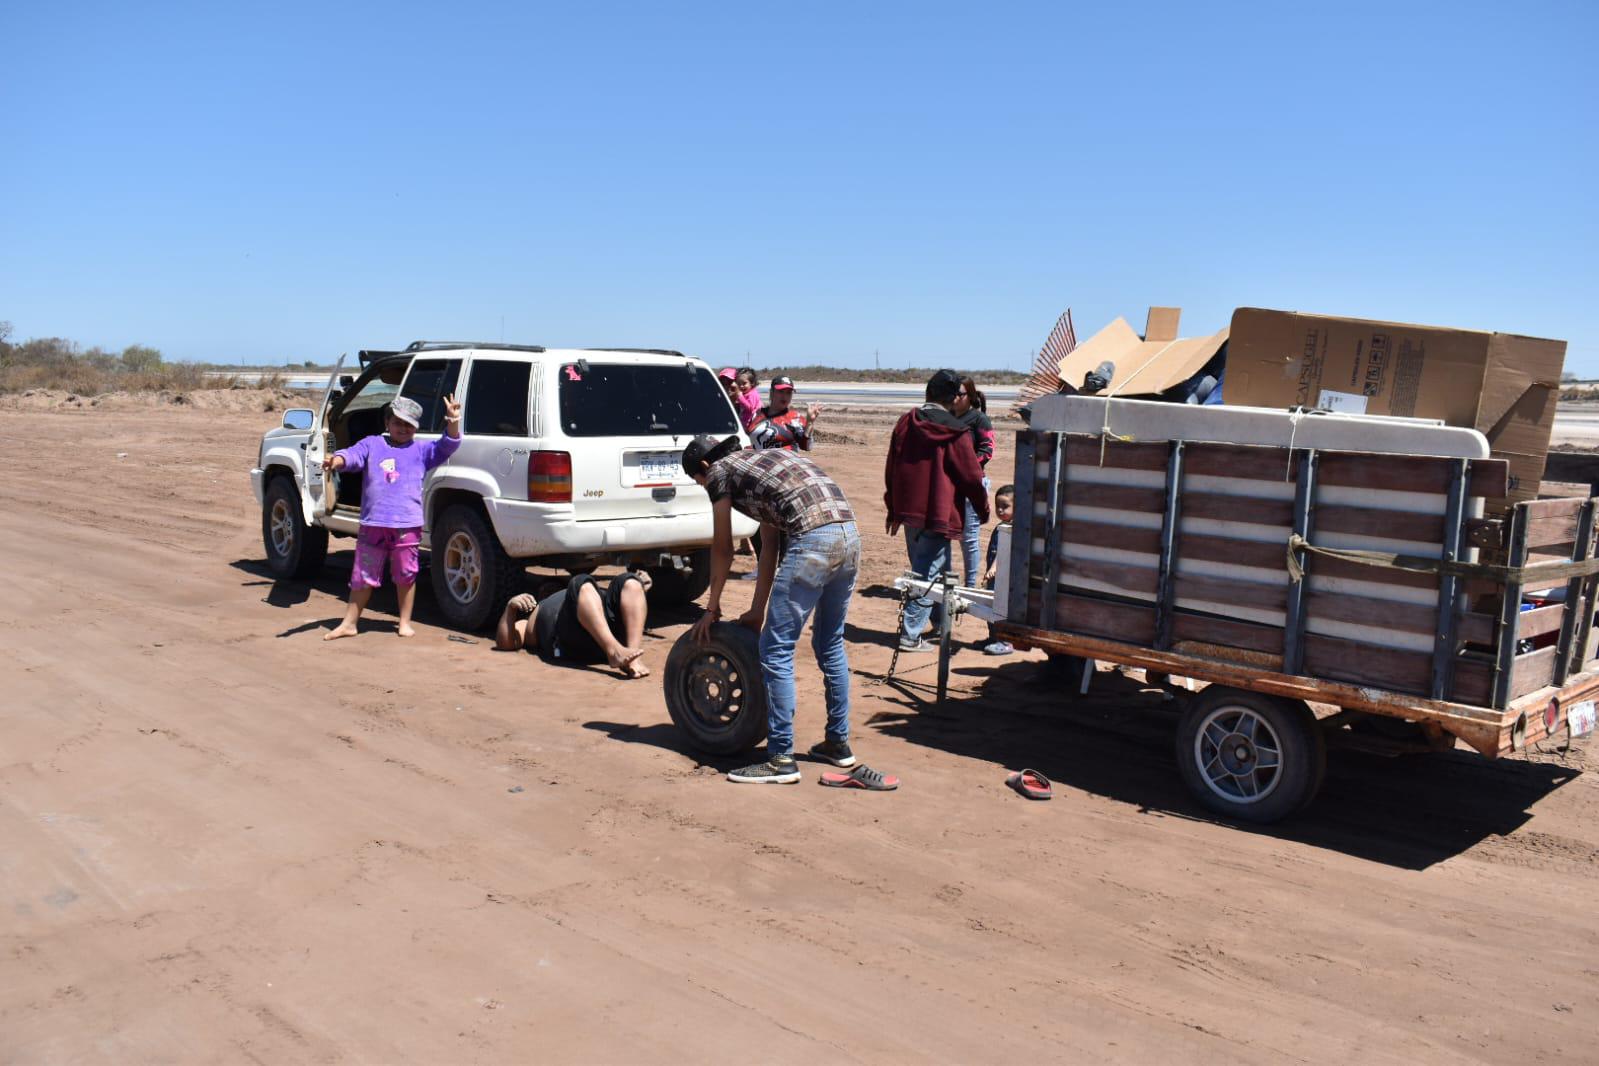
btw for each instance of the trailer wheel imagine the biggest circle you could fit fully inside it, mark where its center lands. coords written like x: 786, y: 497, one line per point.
x: 1248, y: 756
x: 714, y: 690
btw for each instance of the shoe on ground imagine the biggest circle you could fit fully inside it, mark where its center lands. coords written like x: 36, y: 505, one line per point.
x: 782, y: 770
x: 999, y: 647
x: 916, y: 646
x: 834, y: 751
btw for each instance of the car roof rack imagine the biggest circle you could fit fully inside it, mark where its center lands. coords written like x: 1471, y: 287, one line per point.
x: 370, y: 355
x: 440, y: 346
x: 638, y: 351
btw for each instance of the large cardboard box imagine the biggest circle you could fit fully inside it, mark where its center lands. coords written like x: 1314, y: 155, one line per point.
x: 1501, y: 384
x: 1147, y: 365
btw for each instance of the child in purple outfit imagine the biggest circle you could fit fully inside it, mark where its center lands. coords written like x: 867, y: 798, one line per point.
x: 393, y: 467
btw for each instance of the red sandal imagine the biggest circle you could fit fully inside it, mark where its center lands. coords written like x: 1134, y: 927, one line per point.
x: 861, y: 777
x: 1032, y: 784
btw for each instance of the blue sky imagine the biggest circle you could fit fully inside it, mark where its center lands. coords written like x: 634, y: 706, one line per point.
x: 805, y: 183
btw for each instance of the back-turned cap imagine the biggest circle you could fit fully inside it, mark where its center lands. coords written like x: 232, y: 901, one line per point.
x: 705, y: 450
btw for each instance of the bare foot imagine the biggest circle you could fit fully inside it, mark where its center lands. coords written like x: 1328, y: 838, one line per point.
x: 345, y: 629
x: 624, y: 660
x: 407, y: 631
x: 635, y: 669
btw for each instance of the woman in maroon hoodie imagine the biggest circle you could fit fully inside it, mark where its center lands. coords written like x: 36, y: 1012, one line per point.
x: 932, y: 470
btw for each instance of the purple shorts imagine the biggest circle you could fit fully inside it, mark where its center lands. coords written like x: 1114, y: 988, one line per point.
x: 374, y: 544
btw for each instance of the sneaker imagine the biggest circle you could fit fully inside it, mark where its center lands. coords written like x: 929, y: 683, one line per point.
x: 911, y: 647
x: 999, y: 647
x: 834, y: 751
x: 782, y: 770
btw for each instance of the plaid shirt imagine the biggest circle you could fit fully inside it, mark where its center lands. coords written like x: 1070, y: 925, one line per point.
x: 779, y: 487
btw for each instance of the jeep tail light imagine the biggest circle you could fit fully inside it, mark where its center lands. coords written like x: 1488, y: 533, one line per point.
x: 549, y: 477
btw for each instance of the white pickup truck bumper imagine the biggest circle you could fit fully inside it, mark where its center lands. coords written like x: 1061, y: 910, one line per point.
x: 533, y: 529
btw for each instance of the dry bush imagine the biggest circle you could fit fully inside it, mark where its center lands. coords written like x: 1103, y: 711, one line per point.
x: 93, y: 374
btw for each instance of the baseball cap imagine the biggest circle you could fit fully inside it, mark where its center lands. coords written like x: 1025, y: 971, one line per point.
x: 727, y: 373
x: 406, y: 410
x: 943, y: 385
x: 784, y: 382
x: 707, y: 449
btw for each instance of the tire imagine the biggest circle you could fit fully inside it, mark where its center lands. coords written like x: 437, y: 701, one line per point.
x: 715, y: 692
x: 472, y: 577
x: 672, y: 587
x: 1222, y: 740
x: 293, y: 549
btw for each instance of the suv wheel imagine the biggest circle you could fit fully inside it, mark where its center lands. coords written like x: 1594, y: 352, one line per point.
x: 471, y: 574
x: 673, y: 587
x: 293, y: 549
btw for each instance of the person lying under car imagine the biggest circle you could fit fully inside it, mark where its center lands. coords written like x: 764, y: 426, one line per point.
x: 582, y: 624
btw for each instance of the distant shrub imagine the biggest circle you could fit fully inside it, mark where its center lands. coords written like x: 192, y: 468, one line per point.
x: 57, y: 363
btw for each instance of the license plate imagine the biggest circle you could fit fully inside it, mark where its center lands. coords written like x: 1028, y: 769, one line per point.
x: 658, y: 468
x: 1580, y: 718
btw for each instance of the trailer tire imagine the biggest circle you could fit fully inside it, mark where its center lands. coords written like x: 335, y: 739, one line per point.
x: 1248, y: 756
x: 293, y: 548
x: 715, y: 692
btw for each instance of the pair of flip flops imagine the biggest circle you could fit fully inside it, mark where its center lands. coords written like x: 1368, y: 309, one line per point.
x: 862, y: 777
x: 1032, y: 784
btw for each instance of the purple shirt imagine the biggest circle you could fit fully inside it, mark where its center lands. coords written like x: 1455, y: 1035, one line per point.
x: 391, y: 492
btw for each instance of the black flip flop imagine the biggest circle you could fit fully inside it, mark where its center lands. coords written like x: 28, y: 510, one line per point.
x: 863, y: 777
x: 1032, y: 784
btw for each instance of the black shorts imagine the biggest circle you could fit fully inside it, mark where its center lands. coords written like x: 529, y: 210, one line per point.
x: 561, y: 637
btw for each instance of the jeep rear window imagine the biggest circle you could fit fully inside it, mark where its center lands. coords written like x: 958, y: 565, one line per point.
x: 629, y: 400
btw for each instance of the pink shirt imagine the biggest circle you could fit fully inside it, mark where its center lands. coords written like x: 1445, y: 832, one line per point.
x: 749, y: 407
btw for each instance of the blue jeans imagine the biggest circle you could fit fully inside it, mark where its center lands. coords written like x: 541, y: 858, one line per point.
x: 929, y: 554
x: 817, y: 573
x: 971, y: 538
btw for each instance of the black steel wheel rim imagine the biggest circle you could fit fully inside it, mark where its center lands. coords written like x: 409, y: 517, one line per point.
x: 713, y: 690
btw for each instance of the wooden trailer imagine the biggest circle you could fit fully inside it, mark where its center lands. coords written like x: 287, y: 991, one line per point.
x: 1295, y: 574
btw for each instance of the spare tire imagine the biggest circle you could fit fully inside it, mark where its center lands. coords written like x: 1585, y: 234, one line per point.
x: 714, y: 689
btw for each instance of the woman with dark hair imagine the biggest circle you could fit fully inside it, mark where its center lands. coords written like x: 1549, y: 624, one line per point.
x: 971, y: 407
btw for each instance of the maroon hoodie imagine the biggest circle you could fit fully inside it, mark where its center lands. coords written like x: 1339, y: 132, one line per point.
x: 931, y: 467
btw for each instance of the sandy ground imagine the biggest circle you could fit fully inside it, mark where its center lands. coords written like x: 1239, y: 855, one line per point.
x: 225, y: 840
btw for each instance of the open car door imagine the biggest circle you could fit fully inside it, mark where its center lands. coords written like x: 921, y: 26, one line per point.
x: 320, y: 444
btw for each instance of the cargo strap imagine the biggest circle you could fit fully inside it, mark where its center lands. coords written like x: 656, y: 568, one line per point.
x: 1536, y: 575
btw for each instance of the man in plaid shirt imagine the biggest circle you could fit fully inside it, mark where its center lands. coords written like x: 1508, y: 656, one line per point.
x: 821, y: 552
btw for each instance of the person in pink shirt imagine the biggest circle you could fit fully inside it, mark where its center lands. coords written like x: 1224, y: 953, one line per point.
x: 748, y: 403
x: 392, y: 466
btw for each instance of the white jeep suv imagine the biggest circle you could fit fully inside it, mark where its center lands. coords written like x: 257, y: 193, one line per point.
x: 570, y: 458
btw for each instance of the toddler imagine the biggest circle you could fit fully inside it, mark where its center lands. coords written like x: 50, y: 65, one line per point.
x: 748, y: 402
x: 1004, y: 506
x: 393, y: 466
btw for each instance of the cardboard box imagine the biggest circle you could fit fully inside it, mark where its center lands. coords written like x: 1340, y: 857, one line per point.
x: 1500, y: 384
x: 1147, y: 365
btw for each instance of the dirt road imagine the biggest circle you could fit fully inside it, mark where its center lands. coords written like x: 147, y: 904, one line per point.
x: 225, y: 840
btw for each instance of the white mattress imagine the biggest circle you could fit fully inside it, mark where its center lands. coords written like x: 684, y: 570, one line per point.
x: 1148, y: 420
